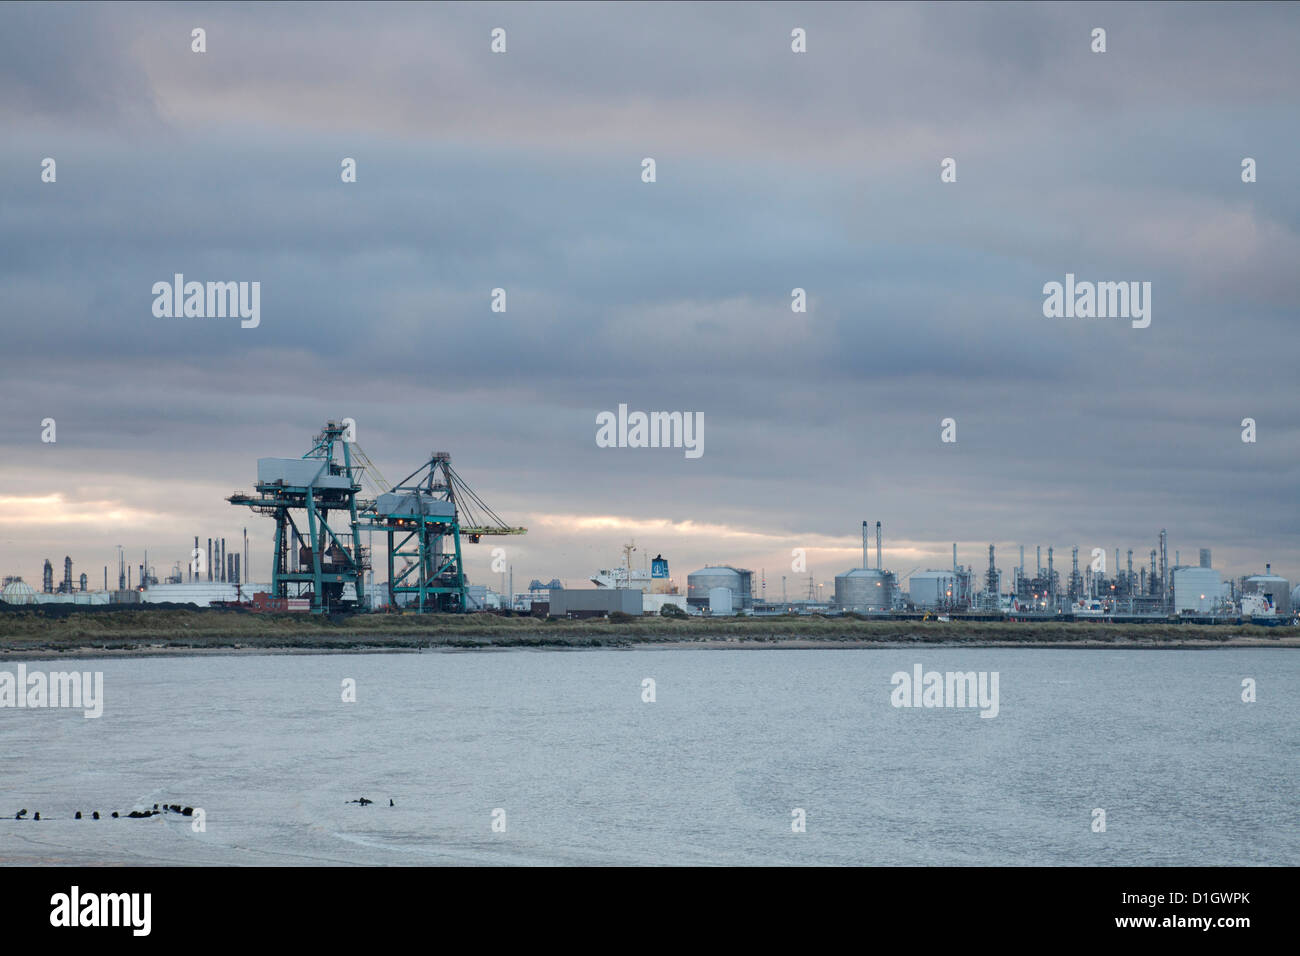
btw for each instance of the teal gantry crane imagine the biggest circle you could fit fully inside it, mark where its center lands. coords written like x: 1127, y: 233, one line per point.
x: 318, y: 487
x: 425, y: 515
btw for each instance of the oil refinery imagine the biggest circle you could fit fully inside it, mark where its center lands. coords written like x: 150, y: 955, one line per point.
x: 327, y: 505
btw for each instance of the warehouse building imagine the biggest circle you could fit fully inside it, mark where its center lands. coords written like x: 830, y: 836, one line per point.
x: 594, y: 602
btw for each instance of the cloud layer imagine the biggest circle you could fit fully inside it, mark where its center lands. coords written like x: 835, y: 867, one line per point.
x: 775, y: 171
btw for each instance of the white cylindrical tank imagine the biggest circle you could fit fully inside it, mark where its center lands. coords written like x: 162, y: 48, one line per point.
x: 738, y: 580
x: 864, y: 589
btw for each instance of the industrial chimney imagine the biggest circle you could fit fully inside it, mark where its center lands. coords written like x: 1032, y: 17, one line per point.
x: 878, y: 565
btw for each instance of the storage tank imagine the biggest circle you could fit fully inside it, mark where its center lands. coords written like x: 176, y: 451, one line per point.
x: 864, y: 589
x: 18, y: 591
x: 738, y: 580
x: 1276, y: 589
x: 1198, y: 590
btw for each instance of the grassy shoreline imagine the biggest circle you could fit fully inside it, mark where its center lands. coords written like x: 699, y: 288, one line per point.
x: 34, y: 634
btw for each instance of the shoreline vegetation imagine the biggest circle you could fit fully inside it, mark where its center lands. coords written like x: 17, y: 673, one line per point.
x: 31, y: 634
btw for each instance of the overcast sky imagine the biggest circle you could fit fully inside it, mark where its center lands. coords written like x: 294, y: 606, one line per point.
x: 775, y: 170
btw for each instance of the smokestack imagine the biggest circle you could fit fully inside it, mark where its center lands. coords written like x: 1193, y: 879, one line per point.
x: 878, y: 564
x: 865, y: 533
x: 1205, y: 557
x: 954, y: 557
x: 1039, y: 560
x: 106, y: 577
x: 209, y: 559
x: 225, y: 562
x: 1164, y: 564
x: 196, y: 548
x: 1022, y: 560
x: 238, y: 579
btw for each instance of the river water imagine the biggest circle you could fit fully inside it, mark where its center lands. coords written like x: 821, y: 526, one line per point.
x: 561, y: 748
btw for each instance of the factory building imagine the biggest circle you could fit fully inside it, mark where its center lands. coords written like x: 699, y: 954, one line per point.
x: 200, y: 593
x: 478, y: 597
x: 594, y: 602
x: 79, y: 597
x: 1197, y: 590
x: 739, y: 581
x: 934, y: 589
x: 655, y: 603
x: 15, y: 590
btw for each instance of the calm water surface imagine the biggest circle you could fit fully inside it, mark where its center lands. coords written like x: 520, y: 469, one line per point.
x: 708, y: 774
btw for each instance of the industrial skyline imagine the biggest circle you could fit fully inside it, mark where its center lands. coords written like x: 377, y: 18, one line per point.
x: 775, y: 172
x: 1145, y: 586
